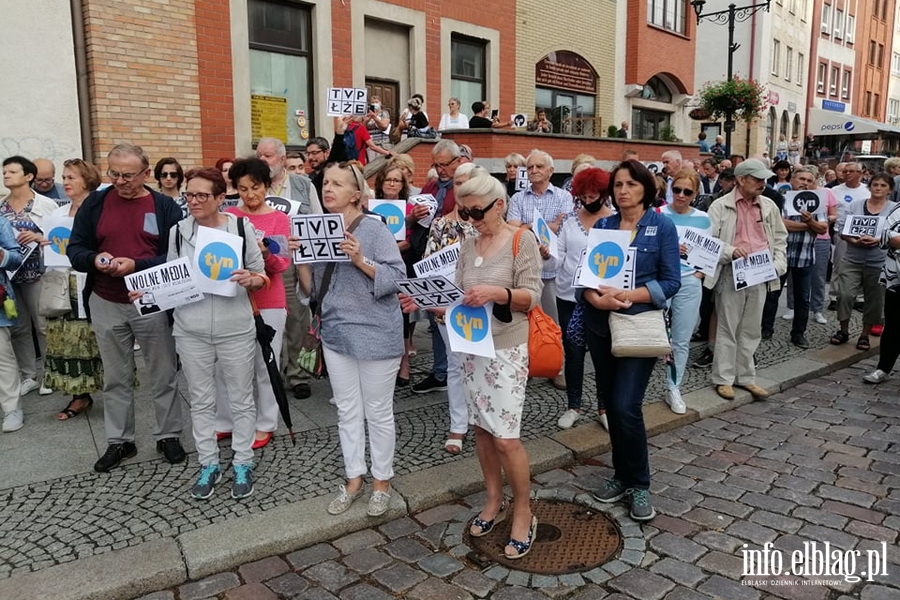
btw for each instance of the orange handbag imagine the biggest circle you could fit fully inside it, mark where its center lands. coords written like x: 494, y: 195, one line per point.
x: 545, y: 349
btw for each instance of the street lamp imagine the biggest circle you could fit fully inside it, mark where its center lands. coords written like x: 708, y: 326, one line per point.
x: 734, y: 14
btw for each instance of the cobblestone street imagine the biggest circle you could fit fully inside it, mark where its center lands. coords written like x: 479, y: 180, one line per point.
x: 817, y: 463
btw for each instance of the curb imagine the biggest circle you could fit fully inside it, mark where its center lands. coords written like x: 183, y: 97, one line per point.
x: 167, y: 563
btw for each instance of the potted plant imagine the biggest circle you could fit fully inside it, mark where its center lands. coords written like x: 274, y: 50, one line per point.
x: 743, y: 99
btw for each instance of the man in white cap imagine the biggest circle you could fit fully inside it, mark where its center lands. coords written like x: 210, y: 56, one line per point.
x: 746, y: 222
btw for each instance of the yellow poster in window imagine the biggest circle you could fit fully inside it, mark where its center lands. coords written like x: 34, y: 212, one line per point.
x: 268, y: 117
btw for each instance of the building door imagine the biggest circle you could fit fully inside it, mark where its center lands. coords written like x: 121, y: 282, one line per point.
x: 389, y: 92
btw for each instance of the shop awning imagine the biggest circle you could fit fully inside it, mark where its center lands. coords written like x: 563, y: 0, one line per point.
x: 826, y: 122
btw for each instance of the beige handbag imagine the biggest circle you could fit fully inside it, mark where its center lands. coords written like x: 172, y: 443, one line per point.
x: 54, y: 300
x: 639, y: 336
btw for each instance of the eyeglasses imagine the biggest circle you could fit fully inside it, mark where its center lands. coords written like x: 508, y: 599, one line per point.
x: 444, y: 165
x: 168, y: 175
x: 393, y: 180
x: 43, y: 180
x: 126, y: 177
x: 685, y: 191
x: 314, y: 152
x: 475, y: 213
x: 201, y: 197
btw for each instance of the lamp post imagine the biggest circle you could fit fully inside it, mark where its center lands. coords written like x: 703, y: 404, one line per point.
x: 734, y: 14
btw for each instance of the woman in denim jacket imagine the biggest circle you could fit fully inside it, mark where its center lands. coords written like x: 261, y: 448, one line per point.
x: 623, y: 381
x: 10, y: 259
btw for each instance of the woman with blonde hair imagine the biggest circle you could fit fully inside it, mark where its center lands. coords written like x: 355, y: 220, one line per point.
x: 512, y: 163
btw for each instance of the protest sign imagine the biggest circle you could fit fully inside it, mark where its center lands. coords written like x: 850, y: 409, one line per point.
x: 165, y: 286
x: 757, y: 268
x: 703, y: 251
x: 217, y: 254
x: 394, y: 214
x: 320, y: 238
x: 521, y: 178
x: 812, y: 201
x: 442, y: 262
x: 469, y: 329
x: 518, y: 120
x: 59, y: 230
x: 24, y: 251
x: 608, y: 260
x: 429, y: 201
x: 80, y: 282
x: 288, y: 207
x: 544, y: 234
x: 430, y: 292
x: 860, y: 225
x: 346, y: 101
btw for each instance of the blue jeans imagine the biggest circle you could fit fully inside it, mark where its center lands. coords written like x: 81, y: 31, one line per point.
x: 621, y: 383
x: 685, y: 309
x: 439, y: 368
x: 818, y: 274
x: 574, y: 358
x: 800, y: 279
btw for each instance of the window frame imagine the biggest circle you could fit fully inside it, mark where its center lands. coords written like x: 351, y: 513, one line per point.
x: 825, y: 26
x: 776, y: 56
x: 822, y: 78
x: 846, y: 82
x: 482, y: 45
x: 833, y: 81
x: 679, y: 12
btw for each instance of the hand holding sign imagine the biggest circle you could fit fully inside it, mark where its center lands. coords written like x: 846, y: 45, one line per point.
x: 811, y: 201
x: 393, y: 212
x: 545, y: 235
x: 608, y: 261
x: 469, y: 329
x: 59, y: 230
x: 318, y: 238
x: 346, y: 101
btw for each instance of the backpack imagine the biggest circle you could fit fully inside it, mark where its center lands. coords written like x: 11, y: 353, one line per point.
x: 349, y: 139
x: 545, y: 349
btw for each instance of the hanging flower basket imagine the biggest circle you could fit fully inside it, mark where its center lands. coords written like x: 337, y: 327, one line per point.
x: 744, y: 99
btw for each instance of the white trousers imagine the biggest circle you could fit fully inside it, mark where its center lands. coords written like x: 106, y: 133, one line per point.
x: 266, y: 406
x: 456, y: 392
x: 364, y: 396
x: 9, y: 373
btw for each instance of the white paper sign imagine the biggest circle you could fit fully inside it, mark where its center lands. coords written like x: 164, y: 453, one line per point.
x: 217, y: 255
x: 544, y: 234
x: 431, y: 202
x: 703, y: 251
x: 860, y: 225
x: 443, y: 262
x: 59, y: 230
x: 165, y: 286
x: 346, y: 101
x: 521, y: 178
x: 24, y: 251
x: 518, y: 120
x: 394, y: 214
x: 431, y: 292
x: 469, y: 329
x: 757, y: 268
x: 320, y: 238
x: 812, y: 201
x: 607, y: 260
x: 288, y: 207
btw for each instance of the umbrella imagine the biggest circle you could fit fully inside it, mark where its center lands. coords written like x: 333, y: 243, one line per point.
x: 265, y: 333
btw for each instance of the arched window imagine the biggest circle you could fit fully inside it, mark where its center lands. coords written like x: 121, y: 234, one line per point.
x: 656, y: 89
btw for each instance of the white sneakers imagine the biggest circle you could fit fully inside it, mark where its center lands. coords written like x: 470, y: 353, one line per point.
x: 788, y: 316
x: 568, y: 418
x: 13, y: 421
x: 27, y: 386
x: 673, y: 399
x: 876, y: 376
x: 820, y: 318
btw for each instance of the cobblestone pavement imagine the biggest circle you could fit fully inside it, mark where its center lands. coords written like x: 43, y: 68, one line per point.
x: 817, y: 463
x: 84, y: 514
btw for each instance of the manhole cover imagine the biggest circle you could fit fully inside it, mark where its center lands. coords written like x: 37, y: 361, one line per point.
x: 570, y: 538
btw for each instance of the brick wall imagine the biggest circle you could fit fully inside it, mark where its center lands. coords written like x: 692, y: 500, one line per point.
x: 651, y: 50
x: 142, y: 60
x: 216, y: 91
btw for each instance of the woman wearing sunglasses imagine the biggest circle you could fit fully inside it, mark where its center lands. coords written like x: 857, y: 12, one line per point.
x: 169, y: 176
x: 488, y: 271
x: 685, y: 305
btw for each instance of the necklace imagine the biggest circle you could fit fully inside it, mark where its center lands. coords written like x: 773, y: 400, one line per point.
x: 479, y: 260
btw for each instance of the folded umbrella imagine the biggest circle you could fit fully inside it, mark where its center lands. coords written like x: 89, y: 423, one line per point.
x: 265, y: 333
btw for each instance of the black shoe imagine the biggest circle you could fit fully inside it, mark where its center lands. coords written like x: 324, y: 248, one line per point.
x: 800, y: 341
x: 705, y: 359
x: 859, y: 306
x: 767, y: 335
x: 302, y: 391
x: 115, y: 453
x: 832, y: 305
x: 430, y: 384
x: 171, y: 449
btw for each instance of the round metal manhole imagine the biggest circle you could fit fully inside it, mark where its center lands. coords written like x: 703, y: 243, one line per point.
x: 570, y: 538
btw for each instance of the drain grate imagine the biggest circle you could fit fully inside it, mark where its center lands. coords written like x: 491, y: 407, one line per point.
x: 570, y: 538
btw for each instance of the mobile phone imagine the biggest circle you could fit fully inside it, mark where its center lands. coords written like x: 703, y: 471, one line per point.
x: 371, y: 108
x: 495, y: 113
x: 103, y: 260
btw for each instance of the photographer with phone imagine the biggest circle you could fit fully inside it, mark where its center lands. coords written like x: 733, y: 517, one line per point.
x: 378, y: 124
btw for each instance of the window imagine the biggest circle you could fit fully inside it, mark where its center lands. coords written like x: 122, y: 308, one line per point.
x: 647, y: 124
x: 788, y: 62
x: 668, y: 14
x: 845, y: 84
x: 820, y: 78
x: 792, y: 6
x: 800, y: 61
x: 467, y: 69
x: 876, y: 9
x: 876, y: 104
x: 893, y: 111
x: 832, y: 83
x: 868, y: 110
x: 776, y: 56
x: 872, y: 46
x: 895, y: 64
x: 851, y: 28
x: 280, y: 67
x: 656, y: 89
x: 803, y: 5
x: 838, y: 23
x: 826, y: 19
x: 880, y: 56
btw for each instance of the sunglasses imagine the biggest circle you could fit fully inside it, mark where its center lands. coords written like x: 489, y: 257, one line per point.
x: 168, y: 175
x: 475, y: 213
x: 685, y: 191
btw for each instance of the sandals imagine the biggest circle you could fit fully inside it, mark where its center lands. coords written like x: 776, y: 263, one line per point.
x: 453, y: 445
x: 485, y: 527
x: 862, y: 343
x: 840, y: 337
x: 69, y: 412
x: 522, y: 548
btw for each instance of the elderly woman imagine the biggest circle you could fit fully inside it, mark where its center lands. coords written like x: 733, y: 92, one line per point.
x: 591, y: 190
x: 251, y: 178
x: 657, y: 278
x: 685, y: 305
x: 73, y: 365
x: 218, y: 331
x: 10, y: 400
x: 453, y: 119
x: 491, y: 269
x: 512, y: 162
x: 362, y: 337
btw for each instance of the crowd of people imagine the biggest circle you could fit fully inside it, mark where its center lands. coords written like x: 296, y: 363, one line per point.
x: 366, y: 325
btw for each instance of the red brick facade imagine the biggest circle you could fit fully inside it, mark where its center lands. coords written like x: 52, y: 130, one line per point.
x: 650, y: 50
